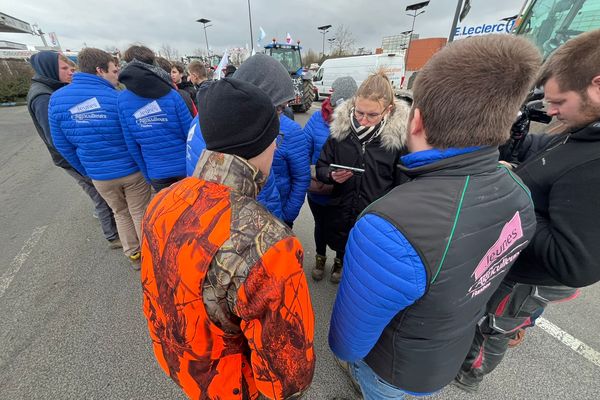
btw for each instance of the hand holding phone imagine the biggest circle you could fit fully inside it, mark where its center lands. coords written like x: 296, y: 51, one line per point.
x: 341, y: 175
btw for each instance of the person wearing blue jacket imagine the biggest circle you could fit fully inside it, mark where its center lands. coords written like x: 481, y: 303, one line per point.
x: 291, y: 167
x: 155, y: 121
x: 268, y: 196
x: 85, y: 128
x: 316, y: 132
x: 422, y: 262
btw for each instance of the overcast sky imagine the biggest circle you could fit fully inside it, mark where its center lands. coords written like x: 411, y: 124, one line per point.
x: 118, y: 23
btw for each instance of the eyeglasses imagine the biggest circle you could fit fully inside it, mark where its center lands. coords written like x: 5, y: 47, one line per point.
x: 369, y: 116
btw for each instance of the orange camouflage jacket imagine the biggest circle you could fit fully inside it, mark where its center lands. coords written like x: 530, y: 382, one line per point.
x: 224, y: 292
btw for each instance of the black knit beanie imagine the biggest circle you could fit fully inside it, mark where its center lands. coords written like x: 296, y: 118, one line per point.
x: 237, y: 118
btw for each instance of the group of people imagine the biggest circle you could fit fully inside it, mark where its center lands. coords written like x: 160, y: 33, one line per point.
x: 444, y: 252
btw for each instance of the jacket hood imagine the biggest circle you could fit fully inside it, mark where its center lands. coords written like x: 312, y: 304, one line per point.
x: 146, y: 80
x: 45, y: 64
x: 392, y: 136
x: 51, y: 83
x: 185, y: 84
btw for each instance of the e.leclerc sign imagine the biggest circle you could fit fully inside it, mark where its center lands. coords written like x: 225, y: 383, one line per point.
x: 504, y: 27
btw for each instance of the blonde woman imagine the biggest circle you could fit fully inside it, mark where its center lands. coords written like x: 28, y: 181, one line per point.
x: 360, y: 157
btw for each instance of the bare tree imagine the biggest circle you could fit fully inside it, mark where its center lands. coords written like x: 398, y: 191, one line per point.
x: 199, y: 52
x: 344, y: 42
x: 168, y: 52
x: 311, y: 57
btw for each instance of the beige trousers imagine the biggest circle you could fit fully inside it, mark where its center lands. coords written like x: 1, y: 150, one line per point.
x: 128, y: 198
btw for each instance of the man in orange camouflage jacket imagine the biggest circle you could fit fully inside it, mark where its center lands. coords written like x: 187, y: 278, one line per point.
x: 225, y: 295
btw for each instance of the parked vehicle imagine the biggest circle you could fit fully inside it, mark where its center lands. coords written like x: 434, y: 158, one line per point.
x: 550, y: 23
x: 358, y: 67
x: 289, y: 55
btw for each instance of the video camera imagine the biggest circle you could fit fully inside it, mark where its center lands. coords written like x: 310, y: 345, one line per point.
x: 531, y: 110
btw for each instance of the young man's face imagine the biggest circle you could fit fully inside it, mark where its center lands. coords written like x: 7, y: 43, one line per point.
x: 65, y: 72
x: 571, y: 108
x: 175, y: 75
x: 112, y: 75
x: 195, y: 79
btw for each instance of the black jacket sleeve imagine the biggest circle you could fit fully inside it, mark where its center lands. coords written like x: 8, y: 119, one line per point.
x: 531, y: 145
x: 566, y: 241
x: 39, y: 106
x: 326, y: 157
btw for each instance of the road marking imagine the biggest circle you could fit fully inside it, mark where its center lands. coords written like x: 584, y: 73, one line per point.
x: 570, y: 341
x: 20, y: 259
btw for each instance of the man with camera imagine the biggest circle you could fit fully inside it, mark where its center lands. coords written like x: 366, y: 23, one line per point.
x: 563, y: 174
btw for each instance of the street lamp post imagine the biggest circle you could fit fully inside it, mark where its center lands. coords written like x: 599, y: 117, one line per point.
x: 330, y: 40
x: 205, y: 21
x: 250, y: 19
x: 415, y: 9
x: 324, y: 29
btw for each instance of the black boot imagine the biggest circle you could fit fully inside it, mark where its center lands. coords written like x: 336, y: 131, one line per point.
x: 336, y: 271
x: 319, y: 268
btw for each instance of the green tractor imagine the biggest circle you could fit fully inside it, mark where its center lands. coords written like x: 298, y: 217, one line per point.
x: 289, y: 56
x: 550, y: 23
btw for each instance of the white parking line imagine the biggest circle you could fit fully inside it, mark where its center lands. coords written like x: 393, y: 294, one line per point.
x: 20, y: 259
x: 568, y: 340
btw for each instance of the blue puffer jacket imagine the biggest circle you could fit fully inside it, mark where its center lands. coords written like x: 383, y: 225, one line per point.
x: 85, y: 128
x: 268, y: 196
x: 155, y: 132
x: 291, y: 168
x: 383, y: 274
x: 316, y: 132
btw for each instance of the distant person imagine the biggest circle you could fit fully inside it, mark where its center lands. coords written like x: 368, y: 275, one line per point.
x: 52, y: 72
x: 225, y: 296
x: 291, y: 166
x: 367, y: 133
x: 422, y: 261
x: 154, y: 118
x: 180, y: 80
x: 317, y: 132
x: 198, y: 74
x: 563, y: 173
x: 85, y: 127
x: 185, y: 95
x: 229, y: 70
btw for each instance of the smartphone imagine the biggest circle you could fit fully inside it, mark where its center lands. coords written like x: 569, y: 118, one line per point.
x: 356, y: 171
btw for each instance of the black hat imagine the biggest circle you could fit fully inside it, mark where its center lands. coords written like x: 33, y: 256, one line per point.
x: 237, y: 118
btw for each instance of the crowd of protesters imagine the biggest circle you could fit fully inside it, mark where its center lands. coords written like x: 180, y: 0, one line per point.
x: 200, y: 182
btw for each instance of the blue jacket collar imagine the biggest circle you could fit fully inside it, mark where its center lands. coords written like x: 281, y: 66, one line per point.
x: 425, y: 157
x: 84, y: 77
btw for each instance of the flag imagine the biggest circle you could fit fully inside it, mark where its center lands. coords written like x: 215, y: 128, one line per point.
x: 465, y: 10
x: 222, y: 65
x: 261, y: 35
x: 288, y: 38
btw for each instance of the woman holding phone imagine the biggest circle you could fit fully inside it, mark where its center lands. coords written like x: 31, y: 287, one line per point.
x: 359, y: 158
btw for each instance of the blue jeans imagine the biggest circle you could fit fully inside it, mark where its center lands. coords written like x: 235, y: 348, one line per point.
x: 371, y: 385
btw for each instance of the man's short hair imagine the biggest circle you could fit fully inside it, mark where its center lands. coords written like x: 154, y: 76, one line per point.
x: 164, y: 64
x: 470, y: 92
x: 198, y: 68
x: 91, y: 58
x: 178, y: 66
x: 140, y: 53
x: 67, y: 60
x: 575, y: 63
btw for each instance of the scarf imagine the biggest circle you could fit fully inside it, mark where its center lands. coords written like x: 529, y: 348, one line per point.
x: 366, y: 134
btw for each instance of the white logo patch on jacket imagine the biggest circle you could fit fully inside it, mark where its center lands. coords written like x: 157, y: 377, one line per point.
x: 149, y: 115
x: 87, y: 110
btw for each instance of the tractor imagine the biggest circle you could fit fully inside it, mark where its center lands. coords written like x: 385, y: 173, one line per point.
x: 289, y: 56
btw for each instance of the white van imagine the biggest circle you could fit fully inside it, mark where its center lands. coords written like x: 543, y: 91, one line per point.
x: 359, y: 68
